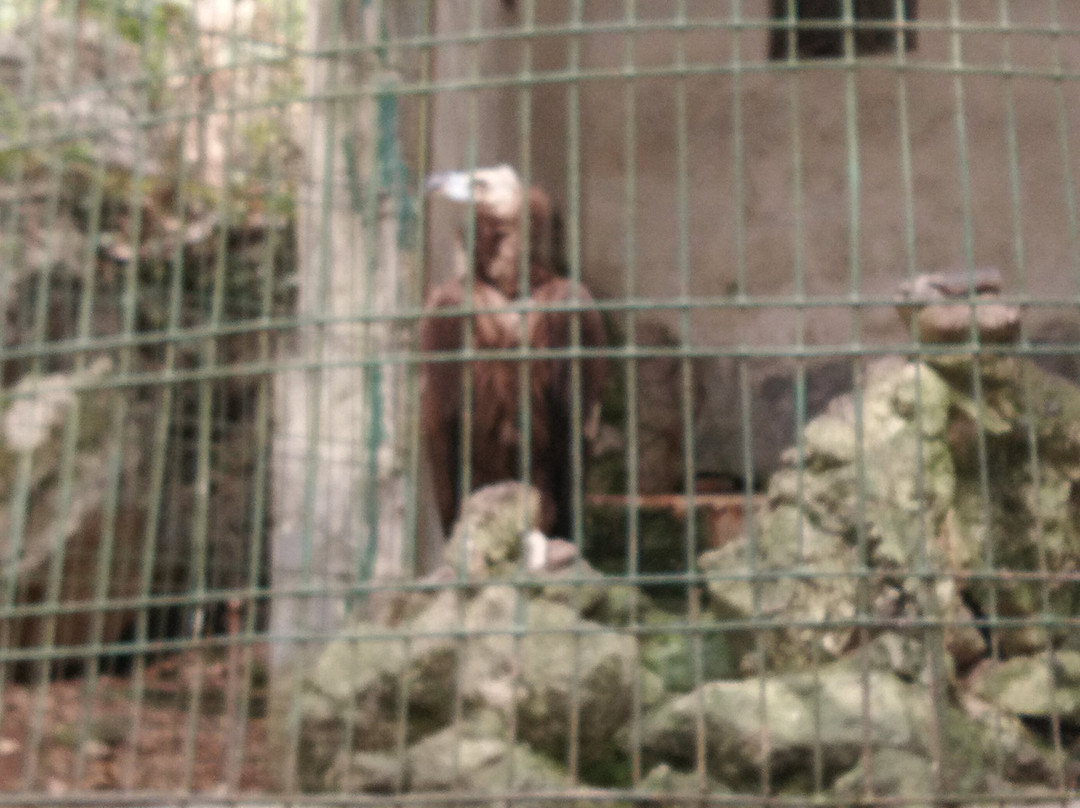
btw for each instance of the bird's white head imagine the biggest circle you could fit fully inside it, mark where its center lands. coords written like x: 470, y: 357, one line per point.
x: 497, y: 188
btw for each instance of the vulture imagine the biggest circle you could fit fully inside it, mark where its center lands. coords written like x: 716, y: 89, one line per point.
x: 505, y: 309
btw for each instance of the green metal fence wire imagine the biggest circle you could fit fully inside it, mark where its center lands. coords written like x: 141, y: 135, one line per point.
x: 819, y: 552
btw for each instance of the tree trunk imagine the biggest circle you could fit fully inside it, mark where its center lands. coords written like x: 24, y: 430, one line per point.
x: 338, y: 487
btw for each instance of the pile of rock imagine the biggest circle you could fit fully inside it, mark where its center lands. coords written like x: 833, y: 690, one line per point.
x: 900, y: 621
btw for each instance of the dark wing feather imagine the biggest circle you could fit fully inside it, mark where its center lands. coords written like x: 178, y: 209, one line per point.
x: 494, y: 438
x: 440, y: 397
x: 552, y: 390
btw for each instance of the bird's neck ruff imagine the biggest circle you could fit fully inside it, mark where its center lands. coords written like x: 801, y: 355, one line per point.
x: 497, y: 253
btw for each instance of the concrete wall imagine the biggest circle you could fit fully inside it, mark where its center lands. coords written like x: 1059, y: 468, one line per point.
x: 812, y: 177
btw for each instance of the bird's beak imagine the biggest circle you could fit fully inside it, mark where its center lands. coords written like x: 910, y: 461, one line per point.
x: 454, y: 185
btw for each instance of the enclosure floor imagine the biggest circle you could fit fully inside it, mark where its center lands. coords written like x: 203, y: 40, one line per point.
x: 97, y: 736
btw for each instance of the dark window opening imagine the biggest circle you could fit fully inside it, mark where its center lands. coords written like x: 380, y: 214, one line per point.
x: 875, y: 29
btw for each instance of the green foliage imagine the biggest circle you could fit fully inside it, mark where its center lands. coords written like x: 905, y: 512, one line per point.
x: 661, y: 539
x: 156, y: 27
x: 139, y: 21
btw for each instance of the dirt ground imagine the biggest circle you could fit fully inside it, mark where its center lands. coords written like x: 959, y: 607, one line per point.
x: 190, y: 730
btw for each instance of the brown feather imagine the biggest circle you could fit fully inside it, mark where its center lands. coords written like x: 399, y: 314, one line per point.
x: 495, y: 417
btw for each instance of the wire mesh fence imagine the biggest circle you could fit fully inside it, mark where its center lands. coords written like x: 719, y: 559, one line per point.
x: 539, y: 402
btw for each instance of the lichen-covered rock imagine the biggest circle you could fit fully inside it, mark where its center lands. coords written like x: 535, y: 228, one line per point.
x: 1026, y: 520
x: 665, y: 781
x: 590, y: 593
x: 871, y: 487
x: 585, y: 679
x: 889, y: 773
x: 784, y: 722
x: 890, y: 482
x: 477, y: 761
x: 496, y: 538
x: 495, y: 532
x: 535, y: 662
x: 824, y: 721
x: 1040, y: 686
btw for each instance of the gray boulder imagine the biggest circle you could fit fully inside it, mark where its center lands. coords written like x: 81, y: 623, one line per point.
x: 58, y: 467
x: 823, y: 722
x: 475, y: 757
